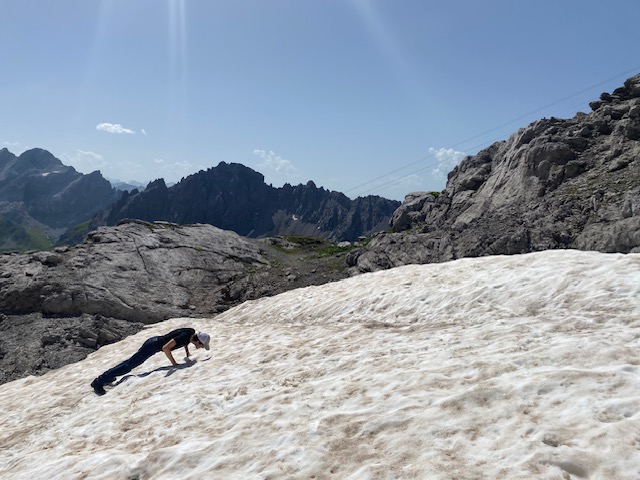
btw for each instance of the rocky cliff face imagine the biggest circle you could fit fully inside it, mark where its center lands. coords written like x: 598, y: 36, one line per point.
x: 557, y: 183
x: 38, y: 192
x: 235, y: 197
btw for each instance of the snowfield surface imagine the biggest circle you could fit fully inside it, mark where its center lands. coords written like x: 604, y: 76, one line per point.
x: 510, y: 367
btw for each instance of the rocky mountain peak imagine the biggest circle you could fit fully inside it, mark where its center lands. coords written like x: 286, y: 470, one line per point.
x: 6, y: 156
x: 158, y: 183
x: 40, y: 198
x: 39, y: 158
x: 235, y: 197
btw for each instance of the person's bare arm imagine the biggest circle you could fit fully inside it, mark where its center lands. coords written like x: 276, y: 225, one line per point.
x: 167, y: 351
x: 186, y: 350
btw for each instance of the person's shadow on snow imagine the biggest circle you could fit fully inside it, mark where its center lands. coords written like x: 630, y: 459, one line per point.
x: 169, y: 369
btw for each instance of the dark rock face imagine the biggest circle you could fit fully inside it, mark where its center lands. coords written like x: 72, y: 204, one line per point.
x: 555, y: 184
x: 235, y: 197
x: 33, y: 344
x: 37, y: 190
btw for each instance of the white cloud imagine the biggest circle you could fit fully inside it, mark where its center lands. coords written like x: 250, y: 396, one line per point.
x: 84, y: 161
x: 274, y: 162
x: 173, y: 172
x: 447, y: 158
x: 184, y: 165
x: 16, y: 148
x: 276, y: 169
x: 144, y: 132
x: 128, y: 170
x: 113, y: 128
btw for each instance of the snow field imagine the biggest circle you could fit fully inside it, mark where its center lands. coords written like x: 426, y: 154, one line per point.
x: 515, y: 367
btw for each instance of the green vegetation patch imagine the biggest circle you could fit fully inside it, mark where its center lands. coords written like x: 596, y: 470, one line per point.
x: 38, y: 239
x: 75, y: 234
x: 16, y: 238
x: 314, y: 245
x: 304, y: 241
x: 334, y: 249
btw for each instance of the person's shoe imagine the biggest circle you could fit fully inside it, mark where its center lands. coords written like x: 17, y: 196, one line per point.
x: 99, y: 389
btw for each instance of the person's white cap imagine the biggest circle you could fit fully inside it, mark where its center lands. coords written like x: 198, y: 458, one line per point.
x: 204, y: 339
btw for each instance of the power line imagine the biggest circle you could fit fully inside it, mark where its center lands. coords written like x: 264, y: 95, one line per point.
x: 458, y: 144
x: 431, y: 165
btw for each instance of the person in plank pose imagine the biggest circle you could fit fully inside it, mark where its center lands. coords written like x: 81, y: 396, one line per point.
x: 180, y: 337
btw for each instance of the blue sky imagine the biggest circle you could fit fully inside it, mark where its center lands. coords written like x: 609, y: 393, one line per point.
x: 364, y: 97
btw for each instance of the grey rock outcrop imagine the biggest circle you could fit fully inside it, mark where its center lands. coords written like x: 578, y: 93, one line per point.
x: 58, y: 306
x: 557, y: 183
x: 137, y: 271
x: 33, y: 344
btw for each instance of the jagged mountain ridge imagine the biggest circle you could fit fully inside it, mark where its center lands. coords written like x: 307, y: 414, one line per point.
x: 235, y: 197
x: 557, y: 183
x: 38, y: 193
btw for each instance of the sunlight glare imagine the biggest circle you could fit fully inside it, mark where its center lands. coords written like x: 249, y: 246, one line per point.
x: 177, y: 59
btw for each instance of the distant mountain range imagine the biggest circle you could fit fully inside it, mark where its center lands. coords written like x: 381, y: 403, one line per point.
x: 128, y: 186
x: 44, y: 202
x: 235, y: 197
x: 40, y: 198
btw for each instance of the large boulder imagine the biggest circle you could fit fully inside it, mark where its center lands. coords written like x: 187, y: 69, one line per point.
x: 137, y: 271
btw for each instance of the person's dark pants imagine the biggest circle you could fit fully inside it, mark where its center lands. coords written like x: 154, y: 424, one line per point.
x: 148, y: 349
